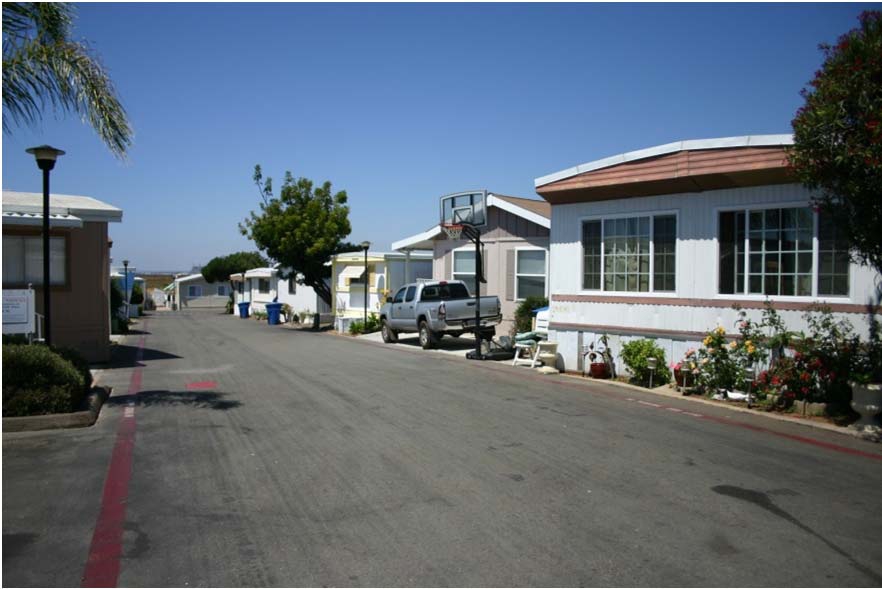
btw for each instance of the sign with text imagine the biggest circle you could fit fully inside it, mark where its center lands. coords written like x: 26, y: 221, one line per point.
x: 18, y: 311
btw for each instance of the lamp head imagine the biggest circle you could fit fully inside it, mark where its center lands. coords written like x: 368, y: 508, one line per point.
x: 365, y: 245
x: 45, y: 156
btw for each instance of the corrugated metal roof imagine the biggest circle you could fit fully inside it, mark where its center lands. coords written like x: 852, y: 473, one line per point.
x: 84, y: 207
x: 36, y: 219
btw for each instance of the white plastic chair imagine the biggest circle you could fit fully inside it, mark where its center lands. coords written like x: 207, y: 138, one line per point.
x: 544, y: 352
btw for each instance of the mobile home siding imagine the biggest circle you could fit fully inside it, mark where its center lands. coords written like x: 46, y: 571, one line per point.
x: 696, y: 306
x: 503, y: 234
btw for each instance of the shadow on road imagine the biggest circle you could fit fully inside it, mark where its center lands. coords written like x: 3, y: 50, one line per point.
x: 763, y: 501
x: 194, y: 399
x: 446, y: 343
x: 123, y: 356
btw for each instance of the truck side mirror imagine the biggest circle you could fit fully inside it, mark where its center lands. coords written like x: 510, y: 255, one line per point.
x: 388, y: 299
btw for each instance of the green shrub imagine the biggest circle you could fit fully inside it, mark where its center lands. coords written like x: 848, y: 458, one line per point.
x: 14, y: 338
x: 137, y: 295
x: 79, y: 362
x: 117, y: 298
x: 373, y: 323
x: 635, y: 353
x: 228, y: 309
x: 356, y: 327
x: 38, y: 381
x: 289, y: 315
x: 524, y: 312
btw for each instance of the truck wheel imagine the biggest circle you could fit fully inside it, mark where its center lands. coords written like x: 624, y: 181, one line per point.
x: 427, y: 338
x: 389, y: 335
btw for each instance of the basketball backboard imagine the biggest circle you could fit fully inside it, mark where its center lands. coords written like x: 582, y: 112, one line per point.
x: 465, y: 208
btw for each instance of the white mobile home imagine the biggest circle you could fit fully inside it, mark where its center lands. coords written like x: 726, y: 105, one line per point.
x: 662, y: 242
x: 194, y: 291
x: 260, y: 286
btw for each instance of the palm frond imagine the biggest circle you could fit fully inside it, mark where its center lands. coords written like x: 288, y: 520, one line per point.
x: 42, y: 68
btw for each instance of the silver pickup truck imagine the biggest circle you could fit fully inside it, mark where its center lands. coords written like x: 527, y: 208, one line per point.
x: 434, y: 309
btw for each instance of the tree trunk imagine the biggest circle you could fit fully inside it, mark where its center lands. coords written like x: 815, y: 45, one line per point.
x: 321, y: 290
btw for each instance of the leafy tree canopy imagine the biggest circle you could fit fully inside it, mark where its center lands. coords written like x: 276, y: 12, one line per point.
x: 301, y: 228
x: 838, y: 137
x: 43, y: 67
x: 220, y: 268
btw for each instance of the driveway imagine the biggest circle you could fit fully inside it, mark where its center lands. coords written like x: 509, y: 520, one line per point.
x: 234, y: 453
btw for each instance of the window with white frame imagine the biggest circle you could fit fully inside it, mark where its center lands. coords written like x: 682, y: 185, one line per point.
x: 292, y: 286
x: 263, y: 285
x: 221, y: 290
x: 630, y: 254
x: 194, y: 290
x: 23, y: 260
x: 529, y: 273
x: 771, y: 252
x: 464, y: 267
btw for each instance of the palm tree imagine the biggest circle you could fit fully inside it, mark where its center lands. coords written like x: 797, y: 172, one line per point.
x: 43, y: 67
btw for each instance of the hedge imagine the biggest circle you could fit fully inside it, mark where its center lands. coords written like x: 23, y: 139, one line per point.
x: 38, y: 380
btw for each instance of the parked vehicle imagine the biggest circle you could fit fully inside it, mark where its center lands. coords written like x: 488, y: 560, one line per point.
x: 437, y: 308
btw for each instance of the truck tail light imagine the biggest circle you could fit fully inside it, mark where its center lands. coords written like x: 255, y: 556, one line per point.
x: 442, y: 311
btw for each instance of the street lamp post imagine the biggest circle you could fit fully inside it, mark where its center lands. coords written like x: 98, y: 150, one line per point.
x: 365, y: 245
x: 126, y: 286
x: 46, y: 156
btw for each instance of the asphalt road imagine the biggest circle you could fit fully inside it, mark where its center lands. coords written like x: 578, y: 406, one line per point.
x: 267, y: 456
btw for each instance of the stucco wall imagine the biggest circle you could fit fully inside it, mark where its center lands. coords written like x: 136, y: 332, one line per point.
x: 81, y: 308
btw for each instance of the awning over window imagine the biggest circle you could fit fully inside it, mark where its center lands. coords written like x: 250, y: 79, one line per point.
x: 352, y: 271
x: 36, y: 219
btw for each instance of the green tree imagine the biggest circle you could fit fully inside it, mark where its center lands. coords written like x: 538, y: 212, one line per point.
x: 43, y: 67
x: 301, y: 228
x: 838, y: 137
x: 220, y: 268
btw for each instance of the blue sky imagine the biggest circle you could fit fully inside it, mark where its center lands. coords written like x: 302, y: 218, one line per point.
x: 400, y: 103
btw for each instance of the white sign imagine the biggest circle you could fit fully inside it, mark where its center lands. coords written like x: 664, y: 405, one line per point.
x: 18, y: 311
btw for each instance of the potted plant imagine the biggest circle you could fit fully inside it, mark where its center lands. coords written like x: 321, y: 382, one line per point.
x: 866, y: 382
x: 598, y: 367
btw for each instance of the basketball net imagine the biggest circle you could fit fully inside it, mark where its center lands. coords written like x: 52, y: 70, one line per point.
x: 453, y: 231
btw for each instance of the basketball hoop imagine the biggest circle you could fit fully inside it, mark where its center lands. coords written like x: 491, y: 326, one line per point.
x: 453, y: 230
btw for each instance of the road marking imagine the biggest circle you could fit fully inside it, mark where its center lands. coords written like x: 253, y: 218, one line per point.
x: 648, y: 403
x: 690, y: 413
x: 102, y: 566
x: 202, y: 385
x: 674, y: 409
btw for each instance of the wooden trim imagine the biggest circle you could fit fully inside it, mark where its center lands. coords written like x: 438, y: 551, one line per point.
x: 684, y: 171
x: 715, y: 303
x: 646, y: 332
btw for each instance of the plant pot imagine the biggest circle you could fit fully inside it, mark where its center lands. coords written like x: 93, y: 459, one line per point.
x: 598, y: 370
x: 866, y: 400
x: 807, y: 408
x: 682, y: 377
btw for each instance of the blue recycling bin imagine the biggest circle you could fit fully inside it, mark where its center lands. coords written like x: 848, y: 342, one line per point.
x: 243, y: 310
x: 274, y: 313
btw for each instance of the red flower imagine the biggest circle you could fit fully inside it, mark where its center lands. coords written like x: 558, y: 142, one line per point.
x: 805, y: 376
x: 776, y: 381
x: 805, y: 390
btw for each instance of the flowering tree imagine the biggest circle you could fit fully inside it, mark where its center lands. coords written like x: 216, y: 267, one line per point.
x: 838, y: 137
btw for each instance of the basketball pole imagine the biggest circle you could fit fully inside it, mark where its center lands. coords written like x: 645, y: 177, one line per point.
x: 475, y: 236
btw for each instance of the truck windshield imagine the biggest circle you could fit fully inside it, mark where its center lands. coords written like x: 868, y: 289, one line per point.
x: 445, y: 292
